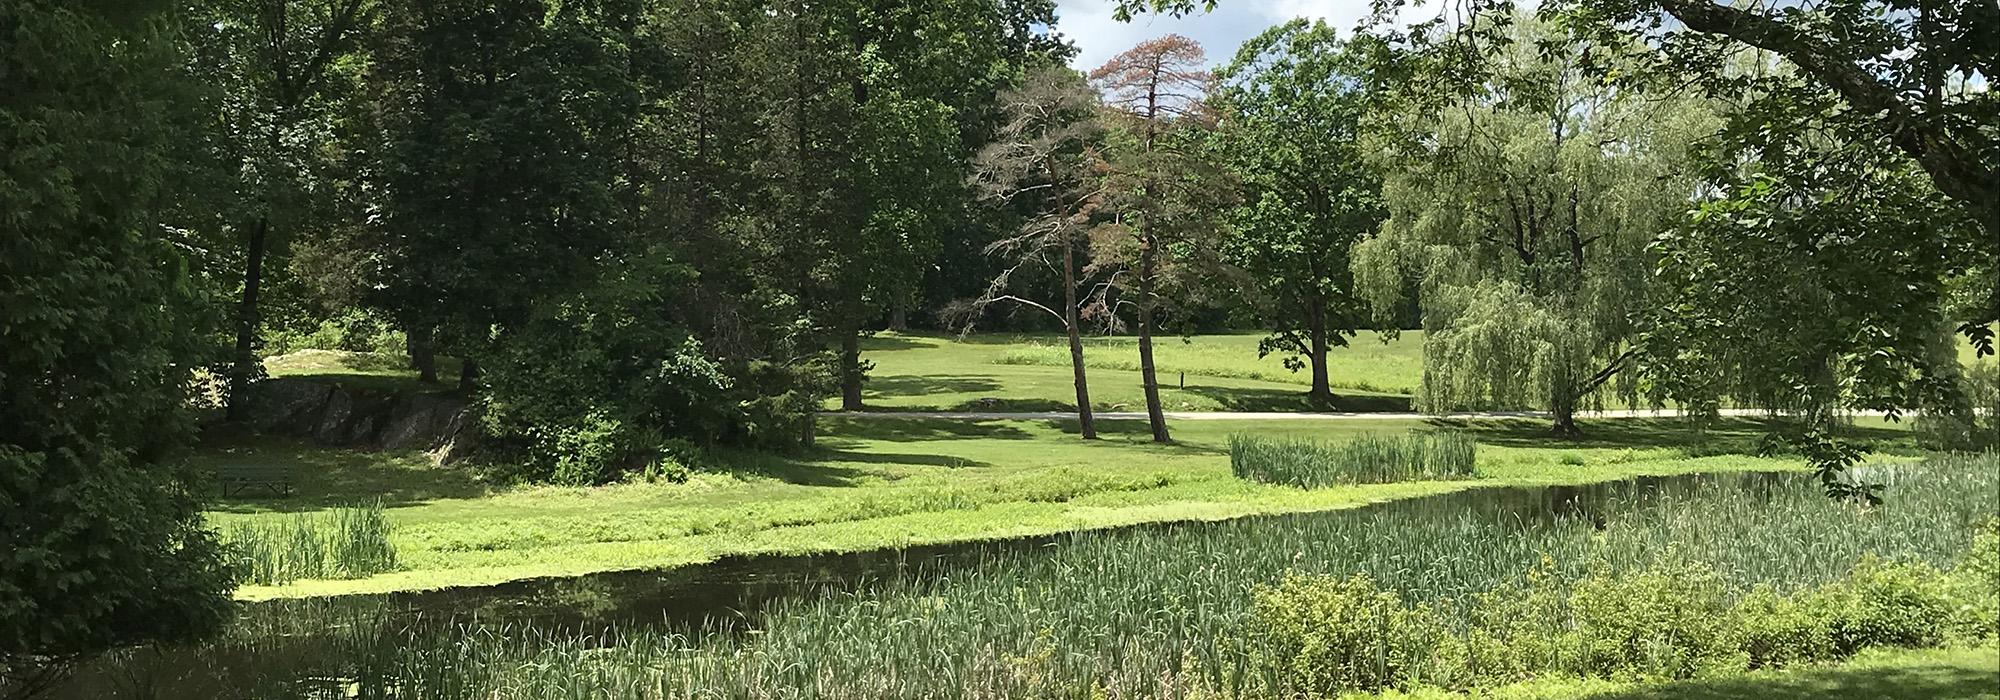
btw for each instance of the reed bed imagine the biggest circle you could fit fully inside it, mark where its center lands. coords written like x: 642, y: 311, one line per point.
x: 1368, y: 459
x: 340, y: 543
x: 1159, y: 613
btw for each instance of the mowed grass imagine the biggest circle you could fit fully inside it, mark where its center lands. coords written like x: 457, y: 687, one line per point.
x: 1006, y: 372
x: 361, y: 370
x: 882, y: 482
x: 1875, y: 674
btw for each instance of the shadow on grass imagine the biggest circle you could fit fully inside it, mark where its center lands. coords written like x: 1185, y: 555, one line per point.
x: 914, y: 429
x: 801, y: 469
x: 1892, y: 682
x: 926, y: 385
x: 1723, y: 436
x: 905, y: 341
x: 1280, y: 400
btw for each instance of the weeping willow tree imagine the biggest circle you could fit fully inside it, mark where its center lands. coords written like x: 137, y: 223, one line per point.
x: 1520, y: 212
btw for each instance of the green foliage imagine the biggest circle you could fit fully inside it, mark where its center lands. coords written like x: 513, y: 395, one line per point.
x: 1780, y: 631
x: 1325, y: 635
x: 1290, y: 109
x: 352, y: 330
x: 1523, y: 210
x: 588, y: 389
x: 101, y: 324
x: 1669, y: 620
x: 337, y: 543
x: 1976, y: 583
x: 1368, y: 459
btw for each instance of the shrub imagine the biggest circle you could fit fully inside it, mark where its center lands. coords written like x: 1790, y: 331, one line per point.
x: 1670, y: 620
x: 1779, y: 631
x: 1975, y: 588
x: 1365, y: 460
x: 340, y: 543
x: 1321, y: 635
x: 353, y: 330
x: 1889, y: 604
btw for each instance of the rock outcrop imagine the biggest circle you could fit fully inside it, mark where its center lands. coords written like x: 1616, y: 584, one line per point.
x: 342, y: 416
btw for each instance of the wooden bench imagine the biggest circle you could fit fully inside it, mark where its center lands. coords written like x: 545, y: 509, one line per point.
x: 243, y: 477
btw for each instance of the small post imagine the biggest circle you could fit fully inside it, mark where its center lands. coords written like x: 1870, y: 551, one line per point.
x: 1183, y: 380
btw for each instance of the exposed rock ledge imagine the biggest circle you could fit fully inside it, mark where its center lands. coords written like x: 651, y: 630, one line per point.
x: 342, y: 416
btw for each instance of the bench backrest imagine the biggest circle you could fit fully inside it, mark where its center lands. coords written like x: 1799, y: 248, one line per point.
x: 254, y: 472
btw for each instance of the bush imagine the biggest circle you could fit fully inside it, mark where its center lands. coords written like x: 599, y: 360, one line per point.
x: 592, y: 387
x: 353, y: 330
x: 1779, y: 631
x: 1974, y: 584
x: 1670, y: 620
x: 1889, y: 605
x: 342, y: 543
x: 1368, y: 459
x: 1321, y: 635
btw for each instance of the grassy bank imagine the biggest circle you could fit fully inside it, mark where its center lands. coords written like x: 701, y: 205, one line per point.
x: 876, y: 483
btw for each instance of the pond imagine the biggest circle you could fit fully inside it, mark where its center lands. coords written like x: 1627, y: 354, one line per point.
x: 857, y: 618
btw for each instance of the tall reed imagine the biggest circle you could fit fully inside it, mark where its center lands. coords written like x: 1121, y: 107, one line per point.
x: 340, y: 543
x: 1369, y: 459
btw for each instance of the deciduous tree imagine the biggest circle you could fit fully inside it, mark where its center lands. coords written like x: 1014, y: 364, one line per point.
x: 1045, y: 157
x: 101, y: 541
x: 1526, y: 209
x: 1290, y: 110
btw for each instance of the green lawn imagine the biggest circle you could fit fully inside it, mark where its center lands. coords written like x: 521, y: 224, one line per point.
x: 999, y: 372
x: 1874, y: 674
x: 364, y: 370
x: 893, y: 482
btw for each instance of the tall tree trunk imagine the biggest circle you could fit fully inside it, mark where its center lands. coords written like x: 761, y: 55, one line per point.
x: 1086, y: 423
x: 1321, y: 393
x: 899, y: 318
x: 244, y: 369
x: 1154, y: 414
x: 420, y: 340
x: 1563, y: 411
x: 850, y: 370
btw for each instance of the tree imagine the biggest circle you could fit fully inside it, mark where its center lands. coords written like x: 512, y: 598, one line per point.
x: 1902, y: 67
x: 498, y: 127
x: 1290, y: 110
x: 274, y: 59
x: 101, y: 541
x: 1526, y: 209
x: 1164, y: 193
x: 1044, y: 154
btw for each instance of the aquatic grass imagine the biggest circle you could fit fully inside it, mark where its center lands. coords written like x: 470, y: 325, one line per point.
x: 1158, y: 612
x: 1367, y: 459
x: 339, y: 543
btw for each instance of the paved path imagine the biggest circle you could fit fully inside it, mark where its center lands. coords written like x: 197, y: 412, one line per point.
x: 1273, y: 416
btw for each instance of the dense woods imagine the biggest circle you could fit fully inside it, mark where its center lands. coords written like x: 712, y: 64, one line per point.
x: 619, y: 227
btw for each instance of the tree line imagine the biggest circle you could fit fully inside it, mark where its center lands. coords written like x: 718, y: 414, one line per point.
x: 628, y: 222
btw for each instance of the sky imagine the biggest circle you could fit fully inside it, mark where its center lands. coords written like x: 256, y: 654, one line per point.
x: 1098, y: 37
